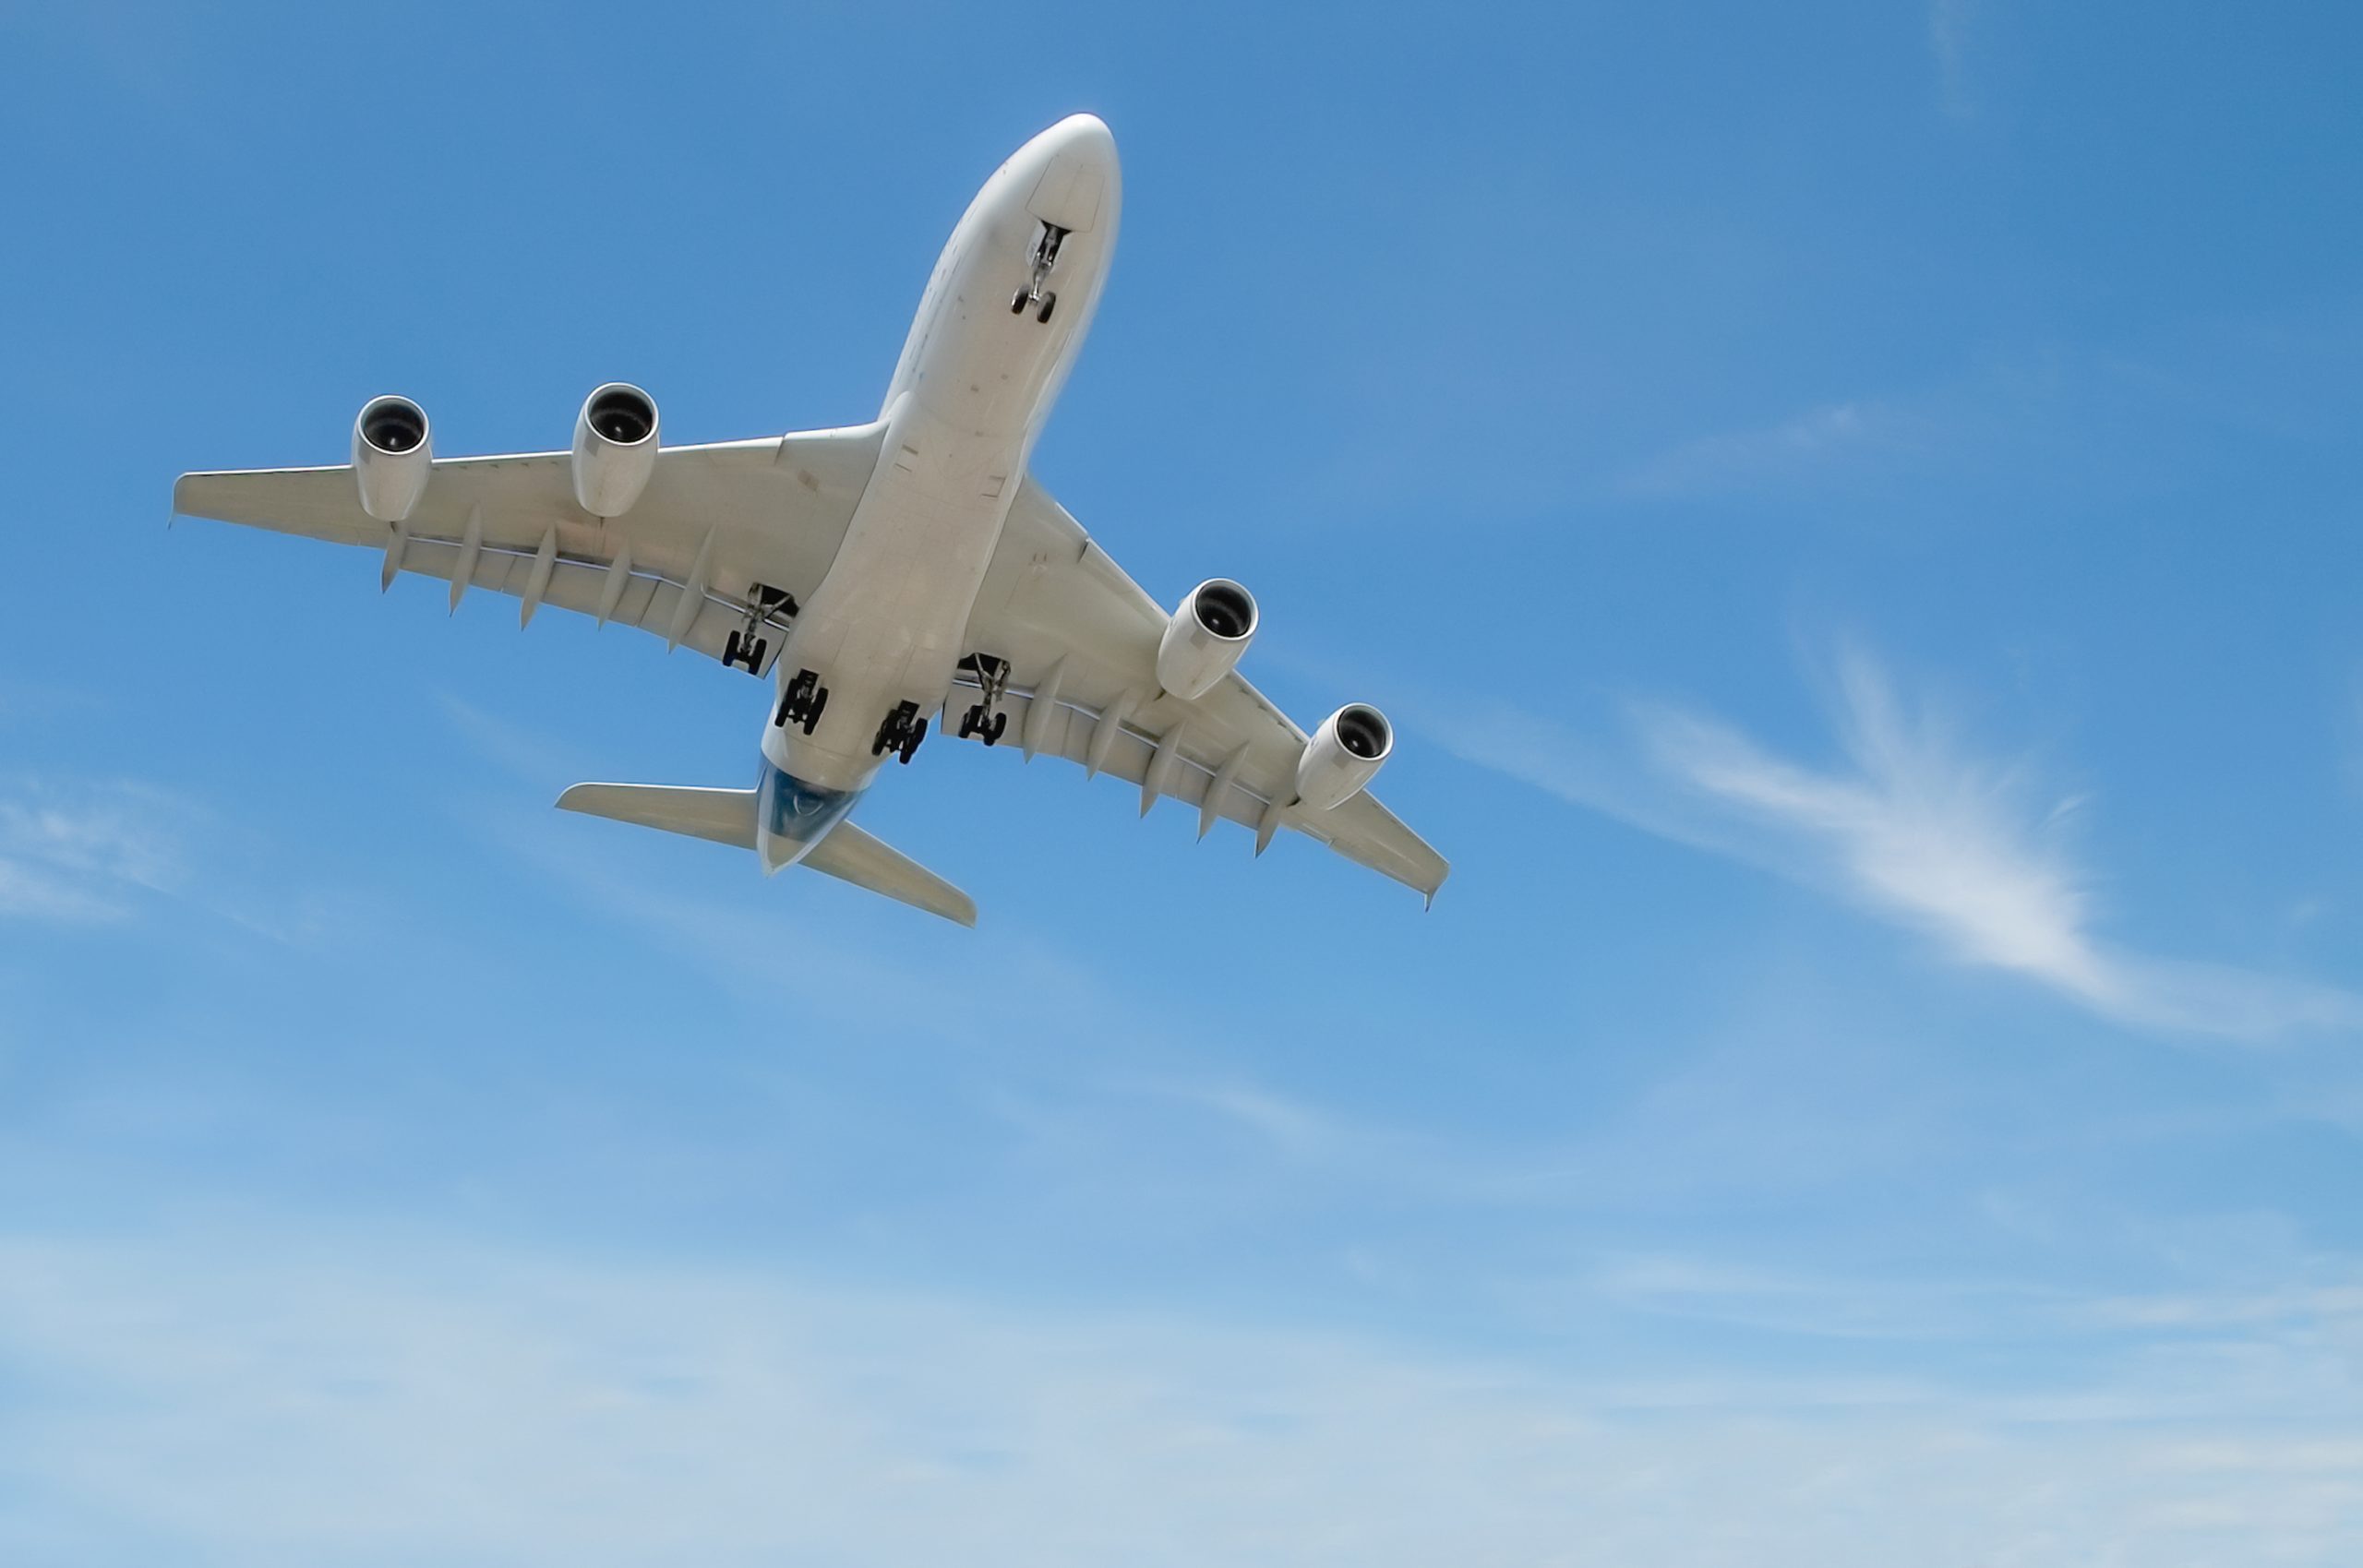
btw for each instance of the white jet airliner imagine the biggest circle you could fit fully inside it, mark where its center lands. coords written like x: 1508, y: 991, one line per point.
x: 877, y: 575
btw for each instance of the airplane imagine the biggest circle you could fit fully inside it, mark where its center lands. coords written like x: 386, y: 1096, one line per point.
x: 876, y: 576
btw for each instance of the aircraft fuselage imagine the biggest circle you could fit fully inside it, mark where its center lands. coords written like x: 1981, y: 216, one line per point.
x: 977, y: 377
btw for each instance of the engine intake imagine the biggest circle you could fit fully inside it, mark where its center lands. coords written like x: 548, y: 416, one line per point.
x: 392, y: 457
x: 1343, y: 756
x: 1210, y: 630
x: 615, y: 448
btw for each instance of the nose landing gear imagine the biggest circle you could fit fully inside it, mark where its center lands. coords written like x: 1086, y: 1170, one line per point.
x: 802, y: 701
x: 900, y: 732
x: 1046, y: 255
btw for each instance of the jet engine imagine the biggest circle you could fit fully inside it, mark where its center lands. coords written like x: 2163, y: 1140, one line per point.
x: 391, y: 456
x: 1343, y: 756
x: 1202, y: 641
x: 615, y: 448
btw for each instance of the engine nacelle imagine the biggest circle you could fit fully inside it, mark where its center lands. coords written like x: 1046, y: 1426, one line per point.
x: 615, y: 448
x: 1343, y: 756
x: 1202, y: 641
x: 391, y: 456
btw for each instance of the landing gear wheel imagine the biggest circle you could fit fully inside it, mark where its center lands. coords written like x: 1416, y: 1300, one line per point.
x: 1019, y: 301
x: 1048, y: 301
x: 900, y: 731
x: 800, y: 700
x: 973, y: 722
x: 745, y: 648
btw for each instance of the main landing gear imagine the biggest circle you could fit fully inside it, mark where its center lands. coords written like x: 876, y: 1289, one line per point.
x: 744, y: 647
x: 1046, y: 255
x: 802, y: 701
x: 900, y: 732
x: 985, y: 718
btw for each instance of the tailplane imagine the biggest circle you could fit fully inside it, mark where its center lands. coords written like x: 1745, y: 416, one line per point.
x: 727, y: 816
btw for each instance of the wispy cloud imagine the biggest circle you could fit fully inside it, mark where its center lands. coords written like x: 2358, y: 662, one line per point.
x: 1948, y: 28
x: 75, y: 854
x: 2324, y: 1306
x: 2083, y: 424
x: 1817, y: 442
x: 1912, y: 825
x: 1288, y: 1126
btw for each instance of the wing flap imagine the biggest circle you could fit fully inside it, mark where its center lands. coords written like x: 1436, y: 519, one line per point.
x: 647, y: 602
x: 1362, y: 830
x: 1082, y: 636
x: 770, y: 513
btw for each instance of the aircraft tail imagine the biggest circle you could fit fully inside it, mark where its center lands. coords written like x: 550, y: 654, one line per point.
x: 727, y: 816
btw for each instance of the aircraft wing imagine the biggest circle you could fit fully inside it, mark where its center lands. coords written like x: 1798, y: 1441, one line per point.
x: 1081, y: 638
x: 716, y: 526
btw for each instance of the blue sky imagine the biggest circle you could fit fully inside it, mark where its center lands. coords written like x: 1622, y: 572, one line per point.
x: 1853, y: 507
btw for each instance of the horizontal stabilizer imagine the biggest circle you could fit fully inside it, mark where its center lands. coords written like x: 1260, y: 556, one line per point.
x: 727, y: 816
x: 851, y: 856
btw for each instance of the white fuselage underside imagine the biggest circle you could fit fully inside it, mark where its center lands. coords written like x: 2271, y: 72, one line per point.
x: 887, y: 624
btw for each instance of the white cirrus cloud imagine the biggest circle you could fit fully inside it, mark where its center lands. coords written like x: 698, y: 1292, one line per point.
x: 1911, y: 825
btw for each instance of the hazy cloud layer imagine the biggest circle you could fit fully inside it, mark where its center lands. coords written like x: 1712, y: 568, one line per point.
x: 250, y: 1401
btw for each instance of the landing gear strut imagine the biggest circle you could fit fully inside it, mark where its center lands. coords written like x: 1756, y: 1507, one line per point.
x: 744, y: 646
x: 900, y: 732
x: 1046, y: 255
x: 985, y: 718
x: 802, y: 701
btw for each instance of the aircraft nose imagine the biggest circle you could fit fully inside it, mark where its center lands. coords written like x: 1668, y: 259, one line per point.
x: 1084, y: 133
x: 1079, y: 177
